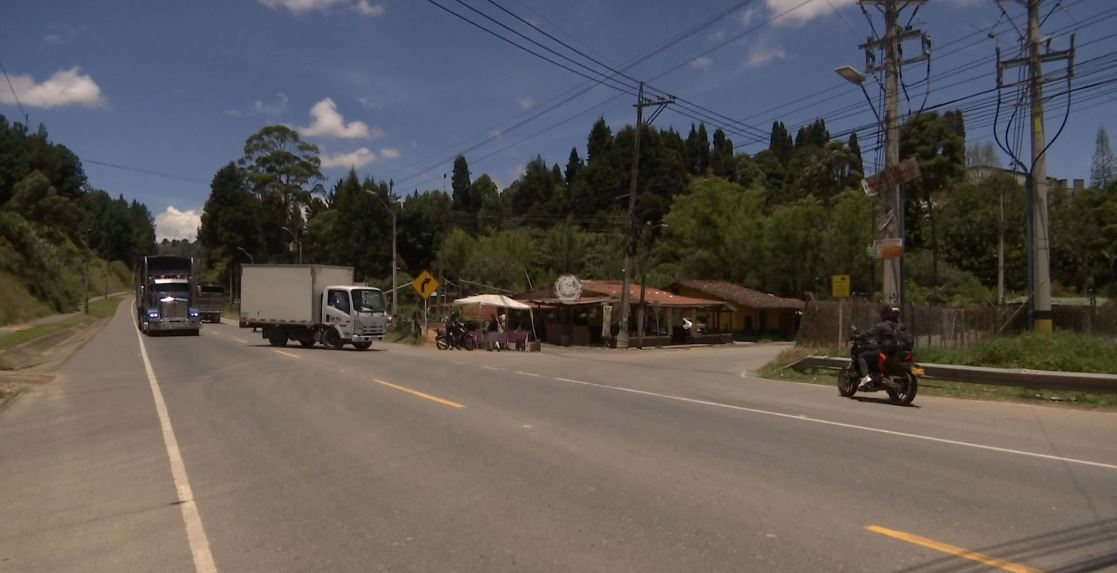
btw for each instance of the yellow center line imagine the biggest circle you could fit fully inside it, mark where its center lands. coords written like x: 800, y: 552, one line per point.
x: 953, y: 550
x: 288, y: 354
x: 420, y: 394
x: 241, y: 340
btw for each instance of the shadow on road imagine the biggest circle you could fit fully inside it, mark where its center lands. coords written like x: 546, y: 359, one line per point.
x: 1082, y: 549
x: 884, y: 401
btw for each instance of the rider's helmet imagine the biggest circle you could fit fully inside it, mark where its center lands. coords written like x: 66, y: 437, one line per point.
x: 890, y: 313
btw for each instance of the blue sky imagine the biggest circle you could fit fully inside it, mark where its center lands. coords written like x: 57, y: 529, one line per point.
x: 397, y: 87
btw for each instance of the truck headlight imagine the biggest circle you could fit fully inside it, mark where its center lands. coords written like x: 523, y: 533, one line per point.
x: 193, y: 312
x: 153, y: 314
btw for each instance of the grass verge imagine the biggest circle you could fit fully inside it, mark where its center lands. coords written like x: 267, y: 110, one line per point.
x: 778, y: 370
x: 100, y: 308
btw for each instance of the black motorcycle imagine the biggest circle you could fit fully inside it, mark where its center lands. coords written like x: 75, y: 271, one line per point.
x: 454, y: 336
x: 896, y: 373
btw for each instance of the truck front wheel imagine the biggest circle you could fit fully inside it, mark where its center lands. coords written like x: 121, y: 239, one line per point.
x: 362, y: 345
x: 332, y: 339
x: 277, y: 337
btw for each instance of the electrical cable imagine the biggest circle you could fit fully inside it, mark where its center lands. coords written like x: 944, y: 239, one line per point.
x: 15, y: 96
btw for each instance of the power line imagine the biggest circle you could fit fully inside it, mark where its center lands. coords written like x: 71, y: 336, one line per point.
x: 15, y: 96
x: 150, y: 172
x: 576, y: 91
x: 695, y: 109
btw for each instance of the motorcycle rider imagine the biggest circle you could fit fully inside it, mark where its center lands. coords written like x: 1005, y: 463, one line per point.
x: 885, y: 336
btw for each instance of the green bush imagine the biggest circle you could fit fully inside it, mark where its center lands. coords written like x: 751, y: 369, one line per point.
x: 1063, y: 351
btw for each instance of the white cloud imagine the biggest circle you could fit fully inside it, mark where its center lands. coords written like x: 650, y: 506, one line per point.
x: 61, y: 34
x: 233, y: 113
x: 390, y: 152
x: 701, y: 63
x: 64, y: 88
x: 273, y: 109
x: 368, y: 103
x: 327, y: 122
x: 716, y: 36
x: 747, y: 16
x: 808, y: 11
x: 526, y: 103
x: 367, y: 9
x: 355, y: 159
x: 300, y: 6
x: 762, y: 56
x: 174, y: 224
x: 363, y: 7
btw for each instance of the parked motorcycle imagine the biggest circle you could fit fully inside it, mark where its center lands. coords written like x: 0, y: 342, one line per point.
x: 455, y: 336
x: 895, y: 373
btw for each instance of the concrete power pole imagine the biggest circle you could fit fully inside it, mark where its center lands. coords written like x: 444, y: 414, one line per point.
x: 630, y: 229
x: 892, y: 200
x: 1039, y: 250
x: 892, y: 226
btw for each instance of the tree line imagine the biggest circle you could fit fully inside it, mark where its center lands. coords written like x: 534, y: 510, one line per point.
x: 781, y: 220
x: 50, y: 216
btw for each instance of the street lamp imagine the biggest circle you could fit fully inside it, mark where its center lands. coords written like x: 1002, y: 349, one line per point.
x: 851, y: 75
x: 298, y: 243
x: 251, y: 260
x: 392, y: 210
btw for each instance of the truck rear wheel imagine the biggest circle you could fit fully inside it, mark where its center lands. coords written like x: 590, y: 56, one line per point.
x: 362, y: 345
x: 277, y: 337
x: 307, y: 342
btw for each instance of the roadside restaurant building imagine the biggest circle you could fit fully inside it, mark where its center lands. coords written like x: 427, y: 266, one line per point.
x: 746, y: 313
x: 593, y: 318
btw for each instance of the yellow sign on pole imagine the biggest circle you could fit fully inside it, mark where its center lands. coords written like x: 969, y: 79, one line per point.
x: 425, y: 284
x: 839, y: 286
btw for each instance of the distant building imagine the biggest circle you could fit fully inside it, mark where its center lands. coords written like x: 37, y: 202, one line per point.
x: 583, y: 321
x: 747, y: 313
x: 978, y: 173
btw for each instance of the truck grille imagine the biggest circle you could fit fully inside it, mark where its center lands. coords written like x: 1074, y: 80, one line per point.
x: 370, y: 331
x: 174, y: 310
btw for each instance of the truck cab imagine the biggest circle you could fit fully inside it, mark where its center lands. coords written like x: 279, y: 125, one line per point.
x: 353, y: 314
x: 165, y: 296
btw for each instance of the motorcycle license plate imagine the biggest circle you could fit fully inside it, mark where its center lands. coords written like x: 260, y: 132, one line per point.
x: 917, y: 371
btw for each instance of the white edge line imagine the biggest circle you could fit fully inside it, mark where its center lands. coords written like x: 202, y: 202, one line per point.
x: 803, y: 418
x: 532, y: 374
x: 487, y: 367
x: 195, y: 533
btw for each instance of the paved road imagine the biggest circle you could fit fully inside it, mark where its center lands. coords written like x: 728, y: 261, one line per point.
x: 410, y: 459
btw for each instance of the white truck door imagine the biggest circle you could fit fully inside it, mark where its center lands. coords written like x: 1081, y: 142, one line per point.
x: 336, y: 312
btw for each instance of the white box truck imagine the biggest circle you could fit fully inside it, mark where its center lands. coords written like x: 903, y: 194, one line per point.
x: 309, y: 304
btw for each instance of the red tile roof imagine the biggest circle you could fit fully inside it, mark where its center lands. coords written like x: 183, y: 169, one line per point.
x: 738, y: 295
x: 595, y: 291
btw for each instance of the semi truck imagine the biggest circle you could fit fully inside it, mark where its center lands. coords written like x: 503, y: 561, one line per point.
x: 311, y: 304
x: 165, y: 296
x: 211, y: 300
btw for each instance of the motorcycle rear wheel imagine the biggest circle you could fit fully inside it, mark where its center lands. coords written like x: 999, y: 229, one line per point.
x: 468, y: 342
x: 907, y: 392
x: 847, y: 383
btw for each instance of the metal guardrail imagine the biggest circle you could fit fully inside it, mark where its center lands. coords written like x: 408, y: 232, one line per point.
x: 1020, y: 377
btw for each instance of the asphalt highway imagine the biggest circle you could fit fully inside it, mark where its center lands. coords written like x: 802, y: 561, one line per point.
x: 231, y: 455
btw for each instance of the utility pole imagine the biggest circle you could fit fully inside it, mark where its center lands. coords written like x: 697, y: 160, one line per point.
x: 891, y: 226
x: 395, y: 283
x: 1039, y: 52
x: 630, y: 232
x: 1001, y: 254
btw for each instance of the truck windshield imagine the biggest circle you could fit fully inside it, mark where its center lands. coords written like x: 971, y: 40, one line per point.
x: 173, y: 288
x: 368, y: 300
